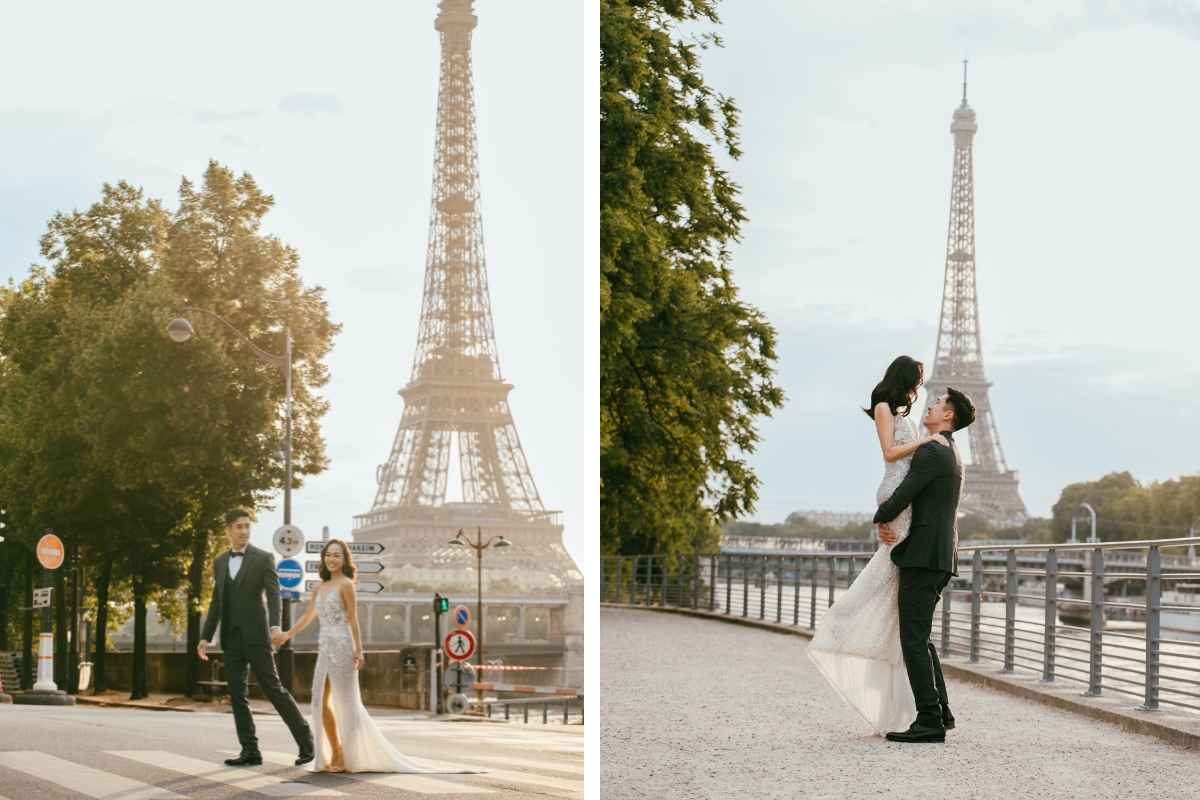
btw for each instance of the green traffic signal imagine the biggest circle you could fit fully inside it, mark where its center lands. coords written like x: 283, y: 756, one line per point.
x: 441, y: 604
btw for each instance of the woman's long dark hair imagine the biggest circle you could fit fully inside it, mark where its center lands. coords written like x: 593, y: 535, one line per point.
x: 348, y: 568
x: 899, y: 386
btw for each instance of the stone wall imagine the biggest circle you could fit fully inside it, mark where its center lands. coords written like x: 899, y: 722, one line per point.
x: 395, y: 678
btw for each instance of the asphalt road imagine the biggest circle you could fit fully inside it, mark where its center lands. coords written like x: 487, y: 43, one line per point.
x: 125, y: 754
x: 697, y: 708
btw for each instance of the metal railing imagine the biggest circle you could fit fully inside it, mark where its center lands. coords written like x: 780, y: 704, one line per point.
x: 547, y: 707
x: 1050, y: 609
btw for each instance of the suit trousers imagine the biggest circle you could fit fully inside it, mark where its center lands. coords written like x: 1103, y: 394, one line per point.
x: 920, y: 590
x: 238, y: 657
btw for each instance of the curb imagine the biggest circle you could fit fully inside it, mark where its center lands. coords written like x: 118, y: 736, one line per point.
x: 1128, y: 721
x: 91, y: 701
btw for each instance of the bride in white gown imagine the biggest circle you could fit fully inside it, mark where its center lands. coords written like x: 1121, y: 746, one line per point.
x: 348, y: 739
x: 857, y: 643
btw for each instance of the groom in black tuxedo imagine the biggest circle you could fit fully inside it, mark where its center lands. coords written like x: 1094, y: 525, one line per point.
x: 241, y: 578
x: 928, y: 558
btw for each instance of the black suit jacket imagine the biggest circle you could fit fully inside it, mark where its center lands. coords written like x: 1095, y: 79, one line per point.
x: 934, y: 487
x: 241, y: 605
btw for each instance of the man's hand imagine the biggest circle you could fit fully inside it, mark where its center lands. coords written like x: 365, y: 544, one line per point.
x: 202, y: 649
x: 886, y: 534
x: 277, y: 637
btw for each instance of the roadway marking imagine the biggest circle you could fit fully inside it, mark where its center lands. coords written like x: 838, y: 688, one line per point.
x: 413, y: 783
x: 246, y: 779
x: 517, y: 777
x: 85, y: 780
x: 578, y: 770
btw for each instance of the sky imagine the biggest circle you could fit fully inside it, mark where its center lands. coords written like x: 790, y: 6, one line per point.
x: 1087, y: 192
x: 331, y: 107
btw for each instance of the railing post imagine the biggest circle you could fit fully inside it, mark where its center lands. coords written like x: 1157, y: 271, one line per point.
x: 729, y: 584
x: 779, y: 590
x: 762, y: 587
x: 1010, y: 611
x: 633, y: 588
x: 832, y: 575
x: 1153, y: 601
x: 812, y: 604
x: 696, y: 585
x: 745, y: 588
x: 663, y: 584
x: 946, y: 601
x: 976, y: 588
x: 679, y: 565
x: 714, y: 569
x: 1095, y: 639
x: 795, y: 590
x: 620, y: 561
x: 1051, y: 615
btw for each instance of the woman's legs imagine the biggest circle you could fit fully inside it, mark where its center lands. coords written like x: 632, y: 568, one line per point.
x: 329, y: 722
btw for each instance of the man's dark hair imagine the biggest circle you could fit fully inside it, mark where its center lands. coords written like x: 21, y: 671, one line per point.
x: 963, y: 408
x: 234, y: 515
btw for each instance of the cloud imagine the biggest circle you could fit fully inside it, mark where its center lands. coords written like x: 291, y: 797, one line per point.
x: 203, y: 116
x: 237, y: 141
x: 309, y: 105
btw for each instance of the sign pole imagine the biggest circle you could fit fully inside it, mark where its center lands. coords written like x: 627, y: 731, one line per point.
x: 45, y: 673
x: 51, y: 554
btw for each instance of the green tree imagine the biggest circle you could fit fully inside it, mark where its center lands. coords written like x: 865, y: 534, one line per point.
x: 685, y: 366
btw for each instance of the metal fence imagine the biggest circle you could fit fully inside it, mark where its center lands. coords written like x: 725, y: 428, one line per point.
x: 1091, y: 613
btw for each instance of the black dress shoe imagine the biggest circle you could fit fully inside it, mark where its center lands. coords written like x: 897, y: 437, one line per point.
x: 248, y: 758
x: 304, y: 758
x: 918, y: 733
x: 947, y: 718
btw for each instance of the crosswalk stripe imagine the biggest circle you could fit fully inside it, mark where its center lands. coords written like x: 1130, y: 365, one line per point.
x: 517, y: 777
x: 78, y: 778
x: 521, y: 762
x: 232, y: 776
x: 413, y: 783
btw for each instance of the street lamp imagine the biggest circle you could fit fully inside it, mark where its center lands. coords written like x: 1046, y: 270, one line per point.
x: 180, y: 330
x: 479, y: 546
x: 1092, y: 511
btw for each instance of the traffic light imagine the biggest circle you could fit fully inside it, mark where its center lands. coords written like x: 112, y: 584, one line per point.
x: 440, y: 604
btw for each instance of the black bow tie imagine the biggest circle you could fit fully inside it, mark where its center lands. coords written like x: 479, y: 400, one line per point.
x: 235, y: 554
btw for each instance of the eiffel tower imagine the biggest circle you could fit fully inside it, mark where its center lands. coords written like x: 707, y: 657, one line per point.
x: 456, y: 395
x: 990, y: 487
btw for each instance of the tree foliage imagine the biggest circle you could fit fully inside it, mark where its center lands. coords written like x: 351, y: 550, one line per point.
x: 685, y: 366
x: 119, y: 438
x: 1127, y: 509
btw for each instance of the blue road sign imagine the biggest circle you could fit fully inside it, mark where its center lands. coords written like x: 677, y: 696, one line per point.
x: 289, y: 574
x: 288, y: 594
x: 462, y: 615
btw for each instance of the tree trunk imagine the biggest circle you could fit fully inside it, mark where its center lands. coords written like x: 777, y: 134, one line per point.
x: 139, y: 691
x: 194, y: 617
x: 60, y: 629
x: 100, y: 681
x: 27, y: 652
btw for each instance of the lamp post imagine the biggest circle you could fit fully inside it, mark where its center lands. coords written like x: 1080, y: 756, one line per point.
x: 1092, y: 511
x: 180, y: 330
x: 479, y: 546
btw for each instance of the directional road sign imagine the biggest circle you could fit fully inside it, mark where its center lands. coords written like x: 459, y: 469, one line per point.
x: 50, y: 551
x: 369, y: 567
x: 370, y: 587
x: 288, y: 594
x: 289, y: 541
x: 459, y: 645
x: 310, y: 585
x: 462, y: 616
x: 289, y: 574
x: 312, y: 566
x: 357, y: 548
x: 41, y: 598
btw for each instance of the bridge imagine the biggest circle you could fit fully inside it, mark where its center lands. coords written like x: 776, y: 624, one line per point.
x: 713, y: 706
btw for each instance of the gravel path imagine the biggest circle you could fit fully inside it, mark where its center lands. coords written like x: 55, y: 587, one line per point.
x: 696, y: 708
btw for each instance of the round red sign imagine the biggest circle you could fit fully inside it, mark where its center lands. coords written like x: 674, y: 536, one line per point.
x: 50, y: 551
x: 459, y: 645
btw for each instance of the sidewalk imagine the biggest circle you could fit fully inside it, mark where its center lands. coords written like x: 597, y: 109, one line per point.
x: 1176, y: 726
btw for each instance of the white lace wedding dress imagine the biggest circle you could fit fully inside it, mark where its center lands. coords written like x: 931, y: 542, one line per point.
x: 363, y: 747
x: 857, y: 642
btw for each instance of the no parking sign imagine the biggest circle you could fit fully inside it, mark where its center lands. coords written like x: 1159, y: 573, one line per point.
x: 462, y: 616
